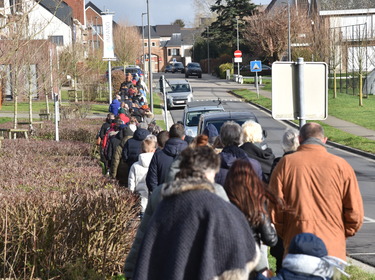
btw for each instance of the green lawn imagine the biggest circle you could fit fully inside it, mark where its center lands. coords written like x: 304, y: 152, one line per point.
x: 346, y: 107
x: 8, y: 106
x: 5, y: 120
x: 344, y: 103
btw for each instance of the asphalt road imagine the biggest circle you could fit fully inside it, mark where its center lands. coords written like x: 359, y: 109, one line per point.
x: 360, y: 247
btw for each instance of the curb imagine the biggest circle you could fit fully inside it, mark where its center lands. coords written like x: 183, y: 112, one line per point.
x: 330, y: 143
x: 361, y: 265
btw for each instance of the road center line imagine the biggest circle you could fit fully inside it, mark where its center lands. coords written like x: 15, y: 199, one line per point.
x: 367, y: 220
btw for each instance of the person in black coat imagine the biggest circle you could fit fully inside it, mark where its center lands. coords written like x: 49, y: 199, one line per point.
x: 230, y: 136
x: 162, y: 159
x: 193, y: 233
x: 252, y: 138
x: 133, y: 148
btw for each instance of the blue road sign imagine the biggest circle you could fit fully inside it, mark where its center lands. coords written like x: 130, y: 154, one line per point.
x: 255, y: 66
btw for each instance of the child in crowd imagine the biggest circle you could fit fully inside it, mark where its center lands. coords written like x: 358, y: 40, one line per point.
x: 138, y: 171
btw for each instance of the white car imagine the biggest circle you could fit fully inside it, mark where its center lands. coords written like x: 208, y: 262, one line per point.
x: 194, y: 110
x: 179, y: 93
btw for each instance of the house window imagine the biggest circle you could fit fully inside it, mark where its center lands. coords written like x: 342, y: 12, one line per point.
x: 145, y: 44
x: 57, y: 40
x: 173, y: 52
x: 97, y: 29
x: 15, y: 5
x: 1, y: 4
x: 153, y: 44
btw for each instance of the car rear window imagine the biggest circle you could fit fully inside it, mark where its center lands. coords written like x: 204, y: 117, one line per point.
x: 180, y: 87
x: 219, y: 123
x: 131, y: 70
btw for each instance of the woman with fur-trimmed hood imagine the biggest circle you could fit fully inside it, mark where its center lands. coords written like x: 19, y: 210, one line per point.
x: 195, y: 234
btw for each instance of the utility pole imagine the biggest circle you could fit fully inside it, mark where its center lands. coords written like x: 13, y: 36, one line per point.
x: 238, y: 48
x: 149, y: 58
x: 143, y: 42
x: 289, y: 44
x: 208, y: 51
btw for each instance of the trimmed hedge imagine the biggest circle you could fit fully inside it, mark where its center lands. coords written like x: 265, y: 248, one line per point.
x: 60, y: 217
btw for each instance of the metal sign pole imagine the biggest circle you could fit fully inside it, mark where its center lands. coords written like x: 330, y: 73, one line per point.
x: 162, y: 89
x: 110, y: 81
x: 256, y: 83
x: 57, y: 117
x: 301, y: 91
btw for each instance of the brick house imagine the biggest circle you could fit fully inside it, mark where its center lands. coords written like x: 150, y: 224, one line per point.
x: 168, y: 43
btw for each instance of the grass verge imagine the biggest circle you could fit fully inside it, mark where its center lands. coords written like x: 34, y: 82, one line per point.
x: 332, y: 133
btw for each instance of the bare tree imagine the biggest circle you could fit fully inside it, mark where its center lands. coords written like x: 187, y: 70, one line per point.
x: 267, y: 34
x: 127, y: 42
x: 203, y: 13
x: 23, y: 52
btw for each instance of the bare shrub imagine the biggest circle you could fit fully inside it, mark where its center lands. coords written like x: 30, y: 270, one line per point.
x: 118, y: 77
x: 60, y: 217
x: 43, y: 233
x: 83, y: 130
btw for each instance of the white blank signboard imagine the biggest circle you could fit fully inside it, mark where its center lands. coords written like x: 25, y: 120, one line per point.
x: 285, y: 91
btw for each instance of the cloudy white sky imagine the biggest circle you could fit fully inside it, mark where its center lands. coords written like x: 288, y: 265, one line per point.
x: 161, y: 11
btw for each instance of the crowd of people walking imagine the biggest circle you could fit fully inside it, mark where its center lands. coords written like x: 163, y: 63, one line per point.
x: 211, y: 209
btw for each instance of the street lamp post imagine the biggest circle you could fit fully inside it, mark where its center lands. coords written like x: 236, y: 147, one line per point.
x: 97, y: 32
x: 143, y: 42
x: 289, y: 45
x: 208, y: 51
x: 149, y: 58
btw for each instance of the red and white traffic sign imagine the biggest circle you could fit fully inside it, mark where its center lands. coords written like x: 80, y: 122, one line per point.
x: 237, y: 53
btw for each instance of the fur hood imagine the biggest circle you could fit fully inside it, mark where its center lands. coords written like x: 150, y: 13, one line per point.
x: 183, y: 185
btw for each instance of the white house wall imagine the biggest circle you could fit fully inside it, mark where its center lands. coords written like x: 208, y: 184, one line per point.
x: 43, y: 24
x: 357, y: 58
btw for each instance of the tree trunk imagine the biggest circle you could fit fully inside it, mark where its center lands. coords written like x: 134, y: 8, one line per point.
x: 15, y: 110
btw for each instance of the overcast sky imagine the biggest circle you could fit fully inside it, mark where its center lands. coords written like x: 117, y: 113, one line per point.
x: 161, y: 11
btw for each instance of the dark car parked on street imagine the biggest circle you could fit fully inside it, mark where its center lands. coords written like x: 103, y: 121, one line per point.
x: 178, y: 67
x: 193, y: 69
x: 132, y: 69
x: 169, y: 68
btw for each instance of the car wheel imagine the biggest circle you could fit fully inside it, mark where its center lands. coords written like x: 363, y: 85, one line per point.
x: 200, y: 76
x: 186, y: 76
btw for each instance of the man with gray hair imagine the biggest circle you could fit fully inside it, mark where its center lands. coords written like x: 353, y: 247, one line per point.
x: 230, y: 135
x: 320, y: 191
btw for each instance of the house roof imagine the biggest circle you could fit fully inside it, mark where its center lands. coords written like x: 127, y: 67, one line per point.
x: 310, y: 5
x: 94, y: 7
x: 189, y: 35
x: 152, y: 31
x: 60, y: 9
x: 167, y: 30
x: 324, y: 5
x: 345, y: 5
x: 175, y: 41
